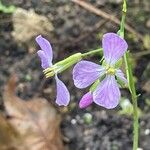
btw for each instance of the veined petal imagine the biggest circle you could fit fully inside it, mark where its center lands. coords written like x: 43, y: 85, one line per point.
x: 107, y: 94
x: 86, y: 100
x: 46, y: 48
x: 44, y: 61
x: 120, y: 75
x: 63, y: 96
x: 114, y: 47
x: 86, y: 72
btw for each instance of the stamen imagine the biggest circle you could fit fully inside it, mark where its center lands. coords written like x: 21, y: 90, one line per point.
x: 111, y: 71
x: 48, y: 70
x: 50, y: 74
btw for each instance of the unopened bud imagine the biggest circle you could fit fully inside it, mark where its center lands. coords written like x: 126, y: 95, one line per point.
x: 86, y: 100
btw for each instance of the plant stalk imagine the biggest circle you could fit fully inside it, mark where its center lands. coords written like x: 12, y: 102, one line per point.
x: 131, y: 83
x: 134, y: 101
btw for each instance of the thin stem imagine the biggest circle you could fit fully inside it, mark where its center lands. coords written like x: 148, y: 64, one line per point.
x: 134, y: 101
x: 93, y: 52
x: 131, y: 83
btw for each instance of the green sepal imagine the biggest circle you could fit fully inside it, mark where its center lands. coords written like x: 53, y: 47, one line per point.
x: 94, y: 85
x: 62, y: 65
x: 121, y: 83
x: 120, y: 33
x: 118, y: 63
x: 69, y: 60
x: 104, y: 63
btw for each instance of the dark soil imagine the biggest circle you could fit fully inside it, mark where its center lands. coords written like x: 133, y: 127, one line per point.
x: 75, y: 32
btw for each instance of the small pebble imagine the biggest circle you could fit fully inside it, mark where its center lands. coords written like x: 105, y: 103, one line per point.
x: 147, y: 132
x: 73, y: 121
x: 28, y: 77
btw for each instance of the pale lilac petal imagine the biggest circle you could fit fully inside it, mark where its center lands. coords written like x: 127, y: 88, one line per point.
x: 63, y: 96
x: 46, y: 48
x: 86, y: 100
x: 44, y: 61
x: 107, y: 94
x: 121, y: 76
x: 114, y: 47
x: 86, y: 72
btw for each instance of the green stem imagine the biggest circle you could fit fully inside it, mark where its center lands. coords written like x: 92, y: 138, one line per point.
x: 131, y: 83
x: 93, y: 52
x: 134, y: 101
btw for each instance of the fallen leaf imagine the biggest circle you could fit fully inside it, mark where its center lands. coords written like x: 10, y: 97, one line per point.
x: 8, y: 135
x: 36, y: 121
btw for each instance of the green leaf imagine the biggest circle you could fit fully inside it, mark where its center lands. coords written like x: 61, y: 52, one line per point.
x: 7, y: 9
x: 118, y: 63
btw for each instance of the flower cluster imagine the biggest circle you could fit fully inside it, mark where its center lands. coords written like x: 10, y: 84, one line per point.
x: 106, y: 93
x: 103, y: 78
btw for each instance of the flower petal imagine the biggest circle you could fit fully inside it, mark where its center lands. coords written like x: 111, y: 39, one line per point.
x: 46, y: 48
x: 63, y: 96
x: 86, y: 100
x: 107, y: 94
x: 120, y: 75
x: 44, y: 61
x: 114, y: 47
x: 86, y: 72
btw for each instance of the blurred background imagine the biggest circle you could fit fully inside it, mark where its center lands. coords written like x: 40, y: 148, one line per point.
x: 71, y: 26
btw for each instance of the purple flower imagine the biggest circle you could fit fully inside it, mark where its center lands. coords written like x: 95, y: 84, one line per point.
x: 86, y: 100
x: 85, y: 73
x: 46, y: 56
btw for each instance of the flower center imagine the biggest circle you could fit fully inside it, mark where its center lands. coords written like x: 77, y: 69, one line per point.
x: 111, y: 71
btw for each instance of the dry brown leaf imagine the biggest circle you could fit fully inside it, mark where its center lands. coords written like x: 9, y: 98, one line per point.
x: 8, y: 135
x: 27, y: 24
x: 35, y: 120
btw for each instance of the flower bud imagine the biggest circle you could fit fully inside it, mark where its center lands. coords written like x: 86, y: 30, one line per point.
x: 86, y: 100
